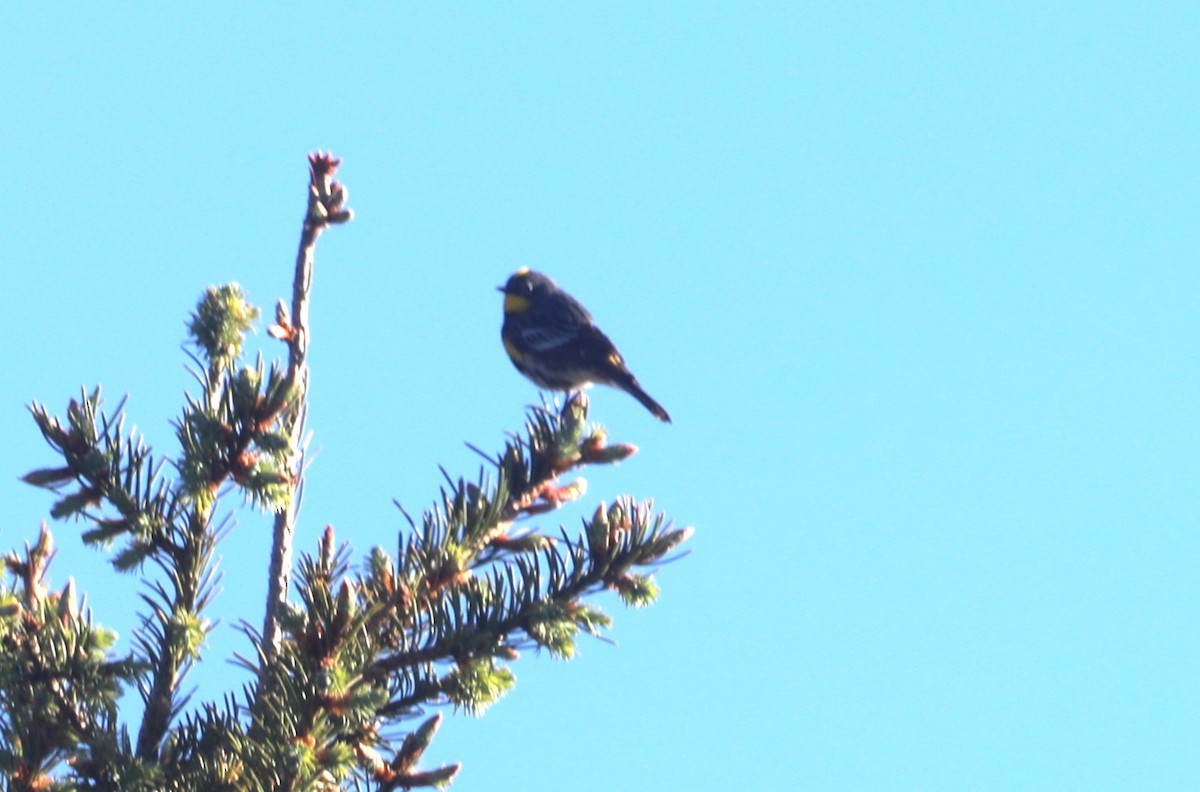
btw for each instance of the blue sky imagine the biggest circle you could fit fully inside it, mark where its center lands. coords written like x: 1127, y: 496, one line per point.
x: 917, y: 282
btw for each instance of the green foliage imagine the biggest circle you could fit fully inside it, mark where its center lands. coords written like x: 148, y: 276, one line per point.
x: 222, y: 319
x: 441, y: 623
x: 112, y: 481
x: 59, y: 682
x: 363, y: 653
x: 476, y: 684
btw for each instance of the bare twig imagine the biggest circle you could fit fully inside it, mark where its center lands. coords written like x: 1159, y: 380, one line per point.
x: 326, y: 206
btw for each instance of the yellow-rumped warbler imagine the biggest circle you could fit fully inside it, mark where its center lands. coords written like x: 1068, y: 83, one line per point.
x: 552, y: 339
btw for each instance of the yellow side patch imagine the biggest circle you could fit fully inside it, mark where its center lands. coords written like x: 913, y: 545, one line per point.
x: 512, y: 350
x: 515, y: 303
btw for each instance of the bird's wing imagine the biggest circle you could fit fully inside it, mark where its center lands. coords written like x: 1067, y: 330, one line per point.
x: 546, y: 337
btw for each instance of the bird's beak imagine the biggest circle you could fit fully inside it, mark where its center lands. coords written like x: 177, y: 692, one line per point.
x: 499, y: 288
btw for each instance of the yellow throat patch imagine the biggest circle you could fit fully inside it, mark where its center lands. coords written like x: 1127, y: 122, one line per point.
x: 514, y: 303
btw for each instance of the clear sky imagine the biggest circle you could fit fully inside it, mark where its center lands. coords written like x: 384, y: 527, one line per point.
x: 917, y: 282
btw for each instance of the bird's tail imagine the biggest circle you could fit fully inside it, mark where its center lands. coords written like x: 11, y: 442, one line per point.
x: 635, y: 390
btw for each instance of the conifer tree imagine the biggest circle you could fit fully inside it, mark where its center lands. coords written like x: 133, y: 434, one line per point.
x: 347, y: 678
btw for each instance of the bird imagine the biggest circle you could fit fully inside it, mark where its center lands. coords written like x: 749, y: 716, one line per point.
x: 551, y: 339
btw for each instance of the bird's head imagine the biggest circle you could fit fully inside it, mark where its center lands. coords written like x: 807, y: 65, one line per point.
x: 522, y: 287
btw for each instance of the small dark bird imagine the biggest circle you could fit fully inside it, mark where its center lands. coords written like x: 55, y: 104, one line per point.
x: 553, y: 341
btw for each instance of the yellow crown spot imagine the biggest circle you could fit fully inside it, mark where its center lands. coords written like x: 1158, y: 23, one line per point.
x: 512, y: 350
x: 522, y: 271
x: 515, y: 303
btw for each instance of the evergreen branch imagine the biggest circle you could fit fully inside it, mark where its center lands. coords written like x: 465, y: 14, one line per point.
x: 119, y: 471
x: 208, y: 751
x: 59, y: 689
x: 359, y: 655
x: 469, y: 591
x: 483, y: 616
x: 225, y: 434
x: 108, y: 467
x: 316, y: 705
x: 172, y: 634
